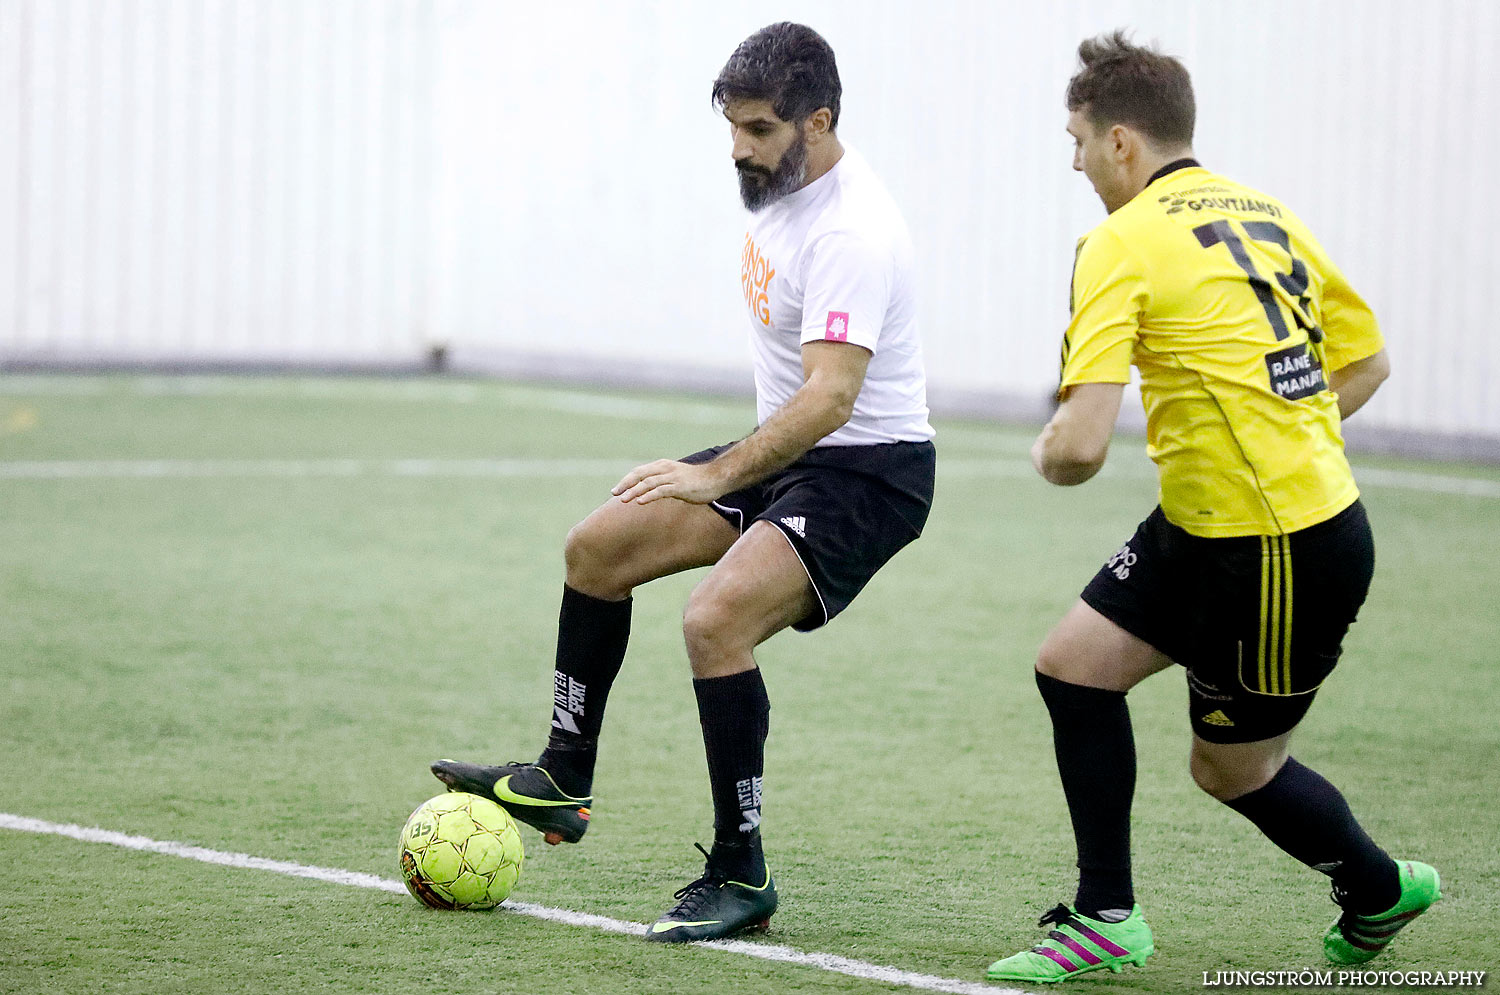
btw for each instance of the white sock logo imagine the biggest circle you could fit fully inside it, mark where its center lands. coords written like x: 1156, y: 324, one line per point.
x: 749, y: 792
x: 567, y: 701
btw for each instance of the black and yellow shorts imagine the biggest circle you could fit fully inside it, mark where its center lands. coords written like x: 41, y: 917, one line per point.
x: 1257, y: 621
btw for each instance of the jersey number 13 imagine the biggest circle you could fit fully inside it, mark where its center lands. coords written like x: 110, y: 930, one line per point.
x: 1293, y: 283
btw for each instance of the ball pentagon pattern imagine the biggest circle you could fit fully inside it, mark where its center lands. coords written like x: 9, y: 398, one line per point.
x: 460, y: 851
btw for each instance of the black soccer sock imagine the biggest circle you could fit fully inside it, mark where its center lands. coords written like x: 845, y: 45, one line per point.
x: 1306, y: 816
x: 591, y: 639
x: 1096, y: 760
x: 736, y: 716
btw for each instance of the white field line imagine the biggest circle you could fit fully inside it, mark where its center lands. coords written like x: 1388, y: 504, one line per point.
x: 680, y: 412
x: 336, y: 389
x: 332, y: 875
x: 957, y: 467
x: 63, y: 469
x: 49, y: 385
x: 1431, y: 482
x: 741, y: 416
x: 575, y: 402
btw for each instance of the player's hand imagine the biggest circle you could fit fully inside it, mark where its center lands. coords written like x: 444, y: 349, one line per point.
x: 695, y: 483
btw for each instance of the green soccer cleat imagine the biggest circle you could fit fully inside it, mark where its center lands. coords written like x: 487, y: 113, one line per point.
x: 1355, y: 939
x: 1077, y: 946
x: 526, y: 791
x: 714, y: 907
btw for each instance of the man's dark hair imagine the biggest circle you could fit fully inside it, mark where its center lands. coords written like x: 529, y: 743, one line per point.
x: 1121, y: 83
x: 788, y: 64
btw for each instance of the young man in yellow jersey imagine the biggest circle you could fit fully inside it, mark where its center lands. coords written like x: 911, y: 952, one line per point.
x: 1251, y: 348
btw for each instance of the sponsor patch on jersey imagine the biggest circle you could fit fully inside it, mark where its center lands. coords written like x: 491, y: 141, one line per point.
x: 1295, y: 373
x: 837, y: 328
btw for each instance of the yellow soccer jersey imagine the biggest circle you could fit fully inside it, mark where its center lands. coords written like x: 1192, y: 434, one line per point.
x: 1234, y: 315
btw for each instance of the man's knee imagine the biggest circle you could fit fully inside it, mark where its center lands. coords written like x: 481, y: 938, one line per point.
x: 1052, y: 660
x: 709, y: 625
x: 1229, y: 775
x: 592, y: 554
x: 1059, y: 657
x: 1206, y: 774
x: 1089, y: 649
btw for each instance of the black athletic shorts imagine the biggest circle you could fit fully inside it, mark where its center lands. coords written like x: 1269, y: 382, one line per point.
x: 846, y: 510
x: 1257, y: 621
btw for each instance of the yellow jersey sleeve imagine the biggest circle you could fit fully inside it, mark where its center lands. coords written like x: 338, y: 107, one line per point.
x: 1350, y: 330
x: 1108, y: 297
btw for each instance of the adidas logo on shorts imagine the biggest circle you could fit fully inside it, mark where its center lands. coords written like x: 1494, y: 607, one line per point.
x: 797, y: 523
x: 1217, y: 718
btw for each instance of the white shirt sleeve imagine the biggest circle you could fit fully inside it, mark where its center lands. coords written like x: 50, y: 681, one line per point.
x: 847, y: 287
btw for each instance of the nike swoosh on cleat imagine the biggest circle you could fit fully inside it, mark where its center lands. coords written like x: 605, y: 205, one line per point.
x: 502, y: 791
x: 662, y: 927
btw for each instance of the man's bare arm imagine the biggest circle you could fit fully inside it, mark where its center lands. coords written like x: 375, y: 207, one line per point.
x: 1073, y: 445
x: 833, y: 373
x: 1356, y: 383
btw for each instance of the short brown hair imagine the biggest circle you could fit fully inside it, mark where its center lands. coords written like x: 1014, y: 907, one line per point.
x: 1121, y: 83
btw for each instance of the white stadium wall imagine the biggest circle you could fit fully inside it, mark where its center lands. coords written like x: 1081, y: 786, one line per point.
x: 215, y: 179
x: 544, y: 186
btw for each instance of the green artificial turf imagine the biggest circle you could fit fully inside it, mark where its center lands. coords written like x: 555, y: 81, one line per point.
x: 264, y: 658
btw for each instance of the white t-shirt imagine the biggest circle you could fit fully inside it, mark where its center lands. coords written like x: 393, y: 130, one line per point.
x: 833, y: 261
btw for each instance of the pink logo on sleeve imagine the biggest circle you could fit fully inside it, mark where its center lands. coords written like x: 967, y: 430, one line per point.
x: 837, y: 329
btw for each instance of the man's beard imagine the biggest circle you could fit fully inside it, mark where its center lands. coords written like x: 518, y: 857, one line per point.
x: 761, y: 187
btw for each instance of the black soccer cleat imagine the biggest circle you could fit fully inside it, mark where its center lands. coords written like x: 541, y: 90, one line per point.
x: 714, y: 907
x: 526, y: 791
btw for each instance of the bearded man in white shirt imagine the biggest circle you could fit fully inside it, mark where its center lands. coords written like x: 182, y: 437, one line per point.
x: 795, y: 518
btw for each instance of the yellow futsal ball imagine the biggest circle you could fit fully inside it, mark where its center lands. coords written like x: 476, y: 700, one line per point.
x: 460, y: 851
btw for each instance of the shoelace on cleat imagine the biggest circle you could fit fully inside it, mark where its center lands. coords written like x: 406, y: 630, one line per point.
x: 1057, y: 914
x: 695, y: 894
x: 1064, y: 916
